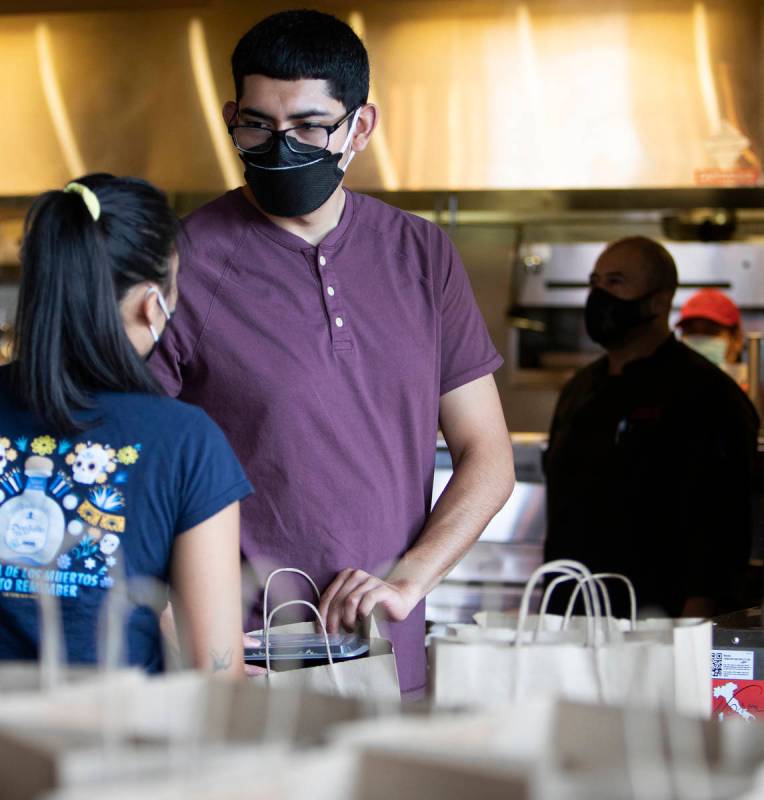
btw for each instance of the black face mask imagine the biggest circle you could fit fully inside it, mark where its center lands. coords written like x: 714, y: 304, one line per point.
x: 287, y: 184
x: 610, y: 319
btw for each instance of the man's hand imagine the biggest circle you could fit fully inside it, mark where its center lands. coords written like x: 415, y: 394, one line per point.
x: 354, y: 594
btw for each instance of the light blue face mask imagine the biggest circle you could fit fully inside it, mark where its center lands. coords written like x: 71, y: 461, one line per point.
x: 714, y: 348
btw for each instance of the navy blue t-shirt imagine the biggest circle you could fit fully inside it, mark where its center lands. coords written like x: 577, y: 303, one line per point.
x: 78, y: 513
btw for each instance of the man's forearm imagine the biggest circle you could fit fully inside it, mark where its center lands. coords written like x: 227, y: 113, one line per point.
x: 473, y: 424
x: 481, y: 483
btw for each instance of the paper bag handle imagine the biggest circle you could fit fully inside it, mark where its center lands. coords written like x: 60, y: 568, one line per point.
x: 273, y: 574
x: 568, y: 567
x: 580, y: 581
x: 600, y: 579
x: 269, y: 624
x: 575, y: 570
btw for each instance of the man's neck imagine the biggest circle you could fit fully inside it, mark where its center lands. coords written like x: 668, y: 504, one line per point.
x: 642, y: 347
x: 313, y: 227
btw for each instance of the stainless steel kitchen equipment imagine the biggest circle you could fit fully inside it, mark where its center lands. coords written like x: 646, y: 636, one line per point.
x: 753, y: 350
x: 546, y: 339
x: 493, y: 573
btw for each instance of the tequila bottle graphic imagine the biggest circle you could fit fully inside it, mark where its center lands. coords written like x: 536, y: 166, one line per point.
x: 32, y: 524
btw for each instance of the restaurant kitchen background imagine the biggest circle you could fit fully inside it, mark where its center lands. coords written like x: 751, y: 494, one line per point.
x: 534, y: 132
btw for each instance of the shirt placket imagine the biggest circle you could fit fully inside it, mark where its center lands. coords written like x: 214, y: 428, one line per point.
x: 336, y: 308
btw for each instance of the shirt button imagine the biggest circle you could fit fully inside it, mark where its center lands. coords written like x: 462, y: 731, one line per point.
x: 339, y: 322
x: 322, y: 261
x: 330, y: 291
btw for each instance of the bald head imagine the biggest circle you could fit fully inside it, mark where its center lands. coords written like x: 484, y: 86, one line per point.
x: 634, y: 267
x: 633, y: 284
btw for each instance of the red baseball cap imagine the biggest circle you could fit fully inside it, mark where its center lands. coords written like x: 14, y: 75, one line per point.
x: 711, y: 304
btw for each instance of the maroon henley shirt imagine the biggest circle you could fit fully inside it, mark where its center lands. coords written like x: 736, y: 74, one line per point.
x: 324, y: 366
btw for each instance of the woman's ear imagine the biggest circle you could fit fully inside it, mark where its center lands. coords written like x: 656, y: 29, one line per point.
x: 149, y: 310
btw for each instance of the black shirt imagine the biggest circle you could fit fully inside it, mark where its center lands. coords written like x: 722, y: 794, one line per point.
x: 649, y: 474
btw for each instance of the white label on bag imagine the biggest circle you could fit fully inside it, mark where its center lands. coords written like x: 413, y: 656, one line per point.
x: 735, y: 664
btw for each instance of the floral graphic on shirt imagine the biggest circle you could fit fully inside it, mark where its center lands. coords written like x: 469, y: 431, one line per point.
x: 128, y: 455
x: 92, y: 463
x: 44, y: 445
x: 62, y: 513
x: 7, y: 453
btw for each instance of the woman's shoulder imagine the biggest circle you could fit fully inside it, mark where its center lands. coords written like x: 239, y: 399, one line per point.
x: 169, y: 433
x: 150, y: 417
x: 167, y: 414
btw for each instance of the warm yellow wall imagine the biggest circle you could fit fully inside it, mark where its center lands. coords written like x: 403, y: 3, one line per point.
x: 473, y: 95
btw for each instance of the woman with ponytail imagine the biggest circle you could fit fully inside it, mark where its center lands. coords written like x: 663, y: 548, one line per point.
x: 103, y: 481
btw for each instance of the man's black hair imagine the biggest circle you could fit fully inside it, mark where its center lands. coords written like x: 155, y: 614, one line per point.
x: 304, y: 44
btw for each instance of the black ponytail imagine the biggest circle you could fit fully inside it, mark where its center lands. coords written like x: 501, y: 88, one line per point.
x: 70, y: 340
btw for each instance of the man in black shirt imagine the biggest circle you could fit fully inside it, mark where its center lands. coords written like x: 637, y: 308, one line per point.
x: 651, y: 452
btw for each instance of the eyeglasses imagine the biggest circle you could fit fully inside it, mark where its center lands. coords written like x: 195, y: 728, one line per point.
x: 306, y: 138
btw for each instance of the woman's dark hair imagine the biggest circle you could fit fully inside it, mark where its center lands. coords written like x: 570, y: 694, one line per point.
x: 70, y: 339
x: 303, y: 44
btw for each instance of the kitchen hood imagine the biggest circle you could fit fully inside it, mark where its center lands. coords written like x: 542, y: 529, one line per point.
x: 544, y: 95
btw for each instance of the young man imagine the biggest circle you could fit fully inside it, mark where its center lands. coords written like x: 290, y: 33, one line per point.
x: 329, y: 334
x: 650, y: 459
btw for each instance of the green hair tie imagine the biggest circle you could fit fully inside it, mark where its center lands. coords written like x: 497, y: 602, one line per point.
x: 88, y: 196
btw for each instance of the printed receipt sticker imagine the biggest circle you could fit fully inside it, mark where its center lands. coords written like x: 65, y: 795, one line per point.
x: 736, y: 692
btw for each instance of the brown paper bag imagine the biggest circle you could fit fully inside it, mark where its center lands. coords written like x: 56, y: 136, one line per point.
x: 324, y: 775
x: 386, y: 774
x: 373, y: 677
x: 166, y: 724
x: 248, y: 774
x: 659, y: 665
x: 577, y: 751
x: 27, y: 676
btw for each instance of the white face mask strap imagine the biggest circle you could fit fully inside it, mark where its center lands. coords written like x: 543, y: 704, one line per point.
x: 348, y: 139
x: 165, y: 310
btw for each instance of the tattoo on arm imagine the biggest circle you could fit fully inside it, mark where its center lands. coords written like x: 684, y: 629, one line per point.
x: 221, y: 662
